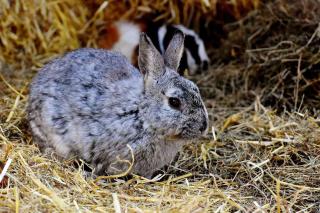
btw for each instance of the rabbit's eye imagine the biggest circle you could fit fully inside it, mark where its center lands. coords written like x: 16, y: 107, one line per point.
x: 174, y: 102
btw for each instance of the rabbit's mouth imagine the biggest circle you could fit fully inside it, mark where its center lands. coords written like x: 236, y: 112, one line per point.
x: 187, y: 134
x: 174, y: 137
x: 181, y: 136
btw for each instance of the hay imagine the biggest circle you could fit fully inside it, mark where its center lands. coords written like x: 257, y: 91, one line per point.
x: 256, y: 159
x: 190, y: 13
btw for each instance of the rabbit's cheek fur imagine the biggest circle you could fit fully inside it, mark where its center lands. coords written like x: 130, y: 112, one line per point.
x: 197, y: 124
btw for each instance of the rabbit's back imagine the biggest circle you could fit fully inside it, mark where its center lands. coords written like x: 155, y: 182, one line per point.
x: 74, y: 99
x: 87, y: 64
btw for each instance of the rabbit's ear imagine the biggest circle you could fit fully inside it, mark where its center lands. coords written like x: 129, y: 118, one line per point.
x: 174, y: 51
x: 150, y: 61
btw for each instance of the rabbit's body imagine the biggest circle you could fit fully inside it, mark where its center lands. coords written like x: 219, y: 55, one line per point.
x: 92, y: 104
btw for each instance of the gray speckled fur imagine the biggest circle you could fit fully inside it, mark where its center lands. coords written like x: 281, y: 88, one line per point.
x: 92, y: 104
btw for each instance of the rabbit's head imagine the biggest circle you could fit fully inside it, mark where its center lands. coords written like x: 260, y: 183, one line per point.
x: 173, y: 104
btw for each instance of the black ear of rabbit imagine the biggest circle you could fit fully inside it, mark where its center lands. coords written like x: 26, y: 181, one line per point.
x: 173, y: 53
x: 150, y: 60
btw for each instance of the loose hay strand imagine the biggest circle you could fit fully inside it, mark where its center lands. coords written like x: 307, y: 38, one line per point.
x: 116, y: 203
x: 5, y: 168
x: 16, y: 192
x: 278, y: 198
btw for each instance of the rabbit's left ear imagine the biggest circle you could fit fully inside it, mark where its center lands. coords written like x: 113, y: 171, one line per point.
x: 150, y: 61
x: 174, y: 51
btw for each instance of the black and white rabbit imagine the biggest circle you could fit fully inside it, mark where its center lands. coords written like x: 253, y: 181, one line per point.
x: 123, y: 36
x: 94, y: 105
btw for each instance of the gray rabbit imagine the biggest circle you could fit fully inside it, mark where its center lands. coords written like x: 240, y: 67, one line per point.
x: 94, y: 105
